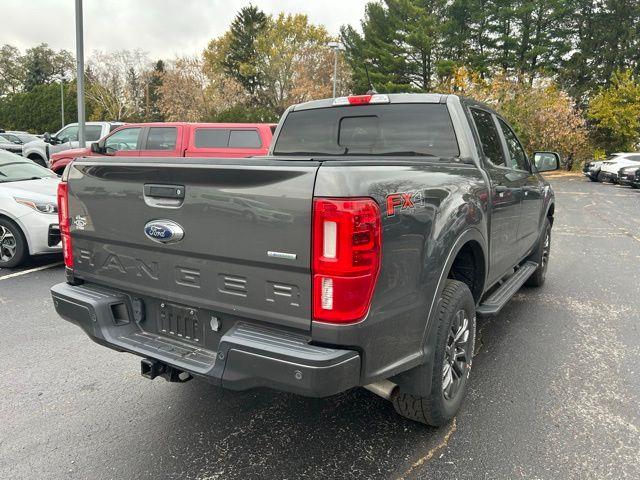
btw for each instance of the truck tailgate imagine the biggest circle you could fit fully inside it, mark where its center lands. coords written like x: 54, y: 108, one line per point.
x: 246, y: 225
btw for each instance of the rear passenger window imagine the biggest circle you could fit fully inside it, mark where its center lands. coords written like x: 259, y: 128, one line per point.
x: 212, y: 138
x: 162, y: 138
x: 92, y: 133
x: 489, y: 137
x: 244, y: 139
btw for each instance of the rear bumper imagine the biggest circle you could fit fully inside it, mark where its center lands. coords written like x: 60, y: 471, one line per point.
x: 42, y: 232
x: 247, y: 356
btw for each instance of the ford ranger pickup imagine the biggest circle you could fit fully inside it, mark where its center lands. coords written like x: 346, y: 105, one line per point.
x: 356, y: 253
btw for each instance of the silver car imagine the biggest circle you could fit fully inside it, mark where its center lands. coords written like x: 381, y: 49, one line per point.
x: 10, y: 143
x: 28, y: 210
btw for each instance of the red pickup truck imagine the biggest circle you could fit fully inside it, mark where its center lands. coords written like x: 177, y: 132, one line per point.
x: 176, y: 139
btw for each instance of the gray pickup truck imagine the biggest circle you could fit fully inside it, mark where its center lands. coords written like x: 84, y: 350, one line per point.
x: 357, y: 253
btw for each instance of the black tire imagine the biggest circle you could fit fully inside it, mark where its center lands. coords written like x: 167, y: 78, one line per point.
x: 38, y: 159
x: 13, y: 246
x: 434, y: 407
x: 593, y: 179
x: 541, y: 257
x: 600, y: 177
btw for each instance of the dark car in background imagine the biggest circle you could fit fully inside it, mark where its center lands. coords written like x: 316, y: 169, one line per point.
x: 629, y: 176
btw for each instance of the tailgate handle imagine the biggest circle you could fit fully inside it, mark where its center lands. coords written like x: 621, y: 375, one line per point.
x: 164, y: 191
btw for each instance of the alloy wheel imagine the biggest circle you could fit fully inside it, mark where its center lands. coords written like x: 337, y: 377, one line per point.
x: 7, y: 244
x: 546, y: 249
x: 457, y: 358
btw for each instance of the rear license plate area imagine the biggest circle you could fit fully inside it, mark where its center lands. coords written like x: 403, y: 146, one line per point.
x: 180, y: 322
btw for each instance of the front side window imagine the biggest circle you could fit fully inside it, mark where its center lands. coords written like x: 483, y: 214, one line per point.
x: 516, y: 152
x: 162, y: 138
x: 489, y: 137
x: 68, y: 134
x: 122, y: 140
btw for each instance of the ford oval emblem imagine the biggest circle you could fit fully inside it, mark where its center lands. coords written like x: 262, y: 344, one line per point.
x: 164, y: 231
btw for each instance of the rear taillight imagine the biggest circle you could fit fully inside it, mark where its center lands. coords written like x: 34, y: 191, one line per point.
x: 346, y: 257
x: 64, y: 221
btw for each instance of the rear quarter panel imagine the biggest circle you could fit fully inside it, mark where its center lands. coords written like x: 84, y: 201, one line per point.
x: 449, y: 199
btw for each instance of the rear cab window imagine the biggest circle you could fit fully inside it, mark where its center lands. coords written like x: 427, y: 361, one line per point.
x: 411, y: 129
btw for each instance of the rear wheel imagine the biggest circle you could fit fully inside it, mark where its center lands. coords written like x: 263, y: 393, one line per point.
x: 38, y: 159
x: 13, y: 246
x: 450, y: 364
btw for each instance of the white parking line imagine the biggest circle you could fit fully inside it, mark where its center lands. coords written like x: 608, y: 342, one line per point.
x: 31, y: 270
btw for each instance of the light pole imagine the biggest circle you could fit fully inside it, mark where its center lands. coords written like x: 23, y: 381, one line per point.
x: 336, y: 46
x: 80, y: 72
x: 62, y: 101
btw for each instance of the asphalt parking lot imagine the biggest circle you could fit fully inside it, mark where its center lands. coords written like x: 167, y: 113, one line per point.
x: 554, y: 388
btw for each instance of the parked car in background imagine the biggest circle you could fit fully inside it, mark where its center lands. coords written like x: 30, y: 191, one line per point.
x: 635, y: 181
x: 610, y: 168
x: 10, y: 143
x: 627, y: 175
x: 28, y: 210
x: 177, y: 139
x: 40, y: 150
x: 592, y: 169
x: 23, y: 137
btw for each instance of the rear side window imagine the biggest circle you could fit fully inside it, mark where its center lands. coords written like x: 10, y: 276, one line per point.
x: 226, y: 138
x: 212, y: 137
x: 92, y: 133
x: 419, y: 129
x: 489, y: 137
x: 244, y: 139
x: 162, y: 138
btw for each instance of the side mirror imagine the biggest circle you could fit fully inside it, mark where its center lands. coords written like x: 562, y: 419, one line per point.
x: 546, y: 161
x: 97, y: 148
x: 46, y: 137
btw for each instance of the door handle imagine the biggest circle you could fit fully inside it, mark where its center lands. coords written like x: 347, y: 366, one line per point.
x: 164, y: 191
x: 164, y: 196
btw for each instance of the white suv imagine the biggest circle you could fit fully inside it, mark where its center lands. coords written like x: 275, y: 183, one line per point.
x: 66, y: 139
x: 609, y: 168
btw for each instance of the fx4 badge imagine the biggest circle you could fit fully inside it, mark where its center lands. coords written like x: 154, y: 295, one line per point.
x: 80, y: 222
x: 402, y: 201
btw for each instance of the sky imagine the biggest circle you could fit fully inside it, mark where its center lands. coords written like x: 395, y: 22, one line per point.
x: 162, y: 28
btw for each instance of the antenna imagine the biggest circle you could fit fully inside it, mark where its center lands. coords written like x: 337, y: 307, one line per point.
x: 372, y: 89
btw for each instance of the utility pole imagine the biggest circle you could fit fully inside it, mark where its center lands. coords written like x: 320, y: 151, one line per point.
x: 80, y: 72
x: 336, y: 46
x: 62, y: 102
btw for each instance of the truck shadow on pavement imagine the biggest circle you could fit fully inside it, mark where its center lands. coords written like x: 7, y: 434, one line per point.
x: 267, y: 434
